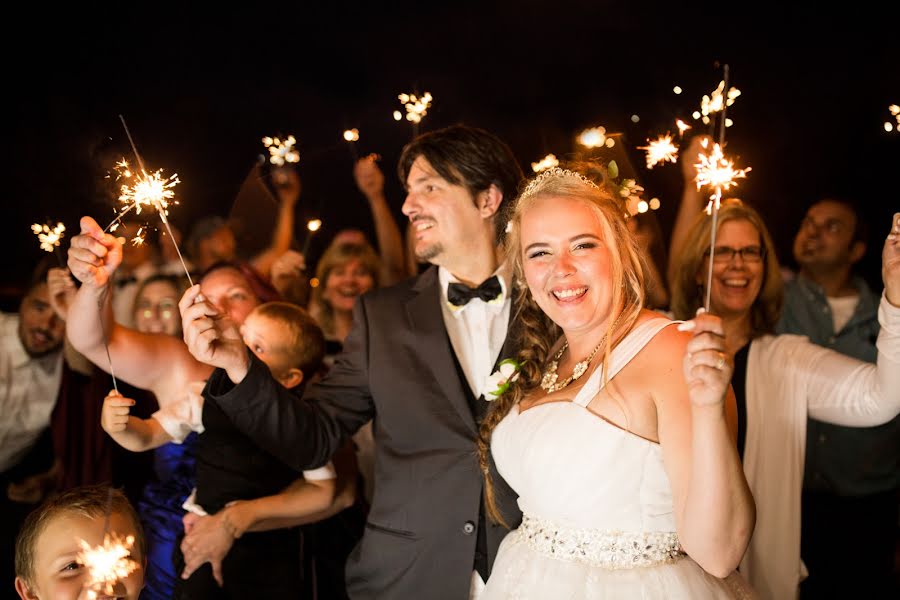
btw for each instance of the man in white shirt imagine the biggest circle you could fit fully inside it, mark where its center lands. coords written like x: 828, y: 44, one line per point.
x: 30, y: 373
x: 851, y: 474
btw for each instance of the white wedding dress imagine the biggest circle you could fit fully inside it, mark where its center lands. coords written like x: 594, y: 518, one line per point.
x: 597, y: 509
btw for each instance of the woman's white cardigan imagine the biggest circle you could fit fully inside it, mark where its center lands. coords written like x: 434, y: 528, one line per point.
x: 788, y: 380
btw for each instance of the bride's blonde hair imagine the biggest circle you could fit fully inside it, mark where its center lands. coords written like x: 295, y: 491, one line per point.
x: 535, y: 333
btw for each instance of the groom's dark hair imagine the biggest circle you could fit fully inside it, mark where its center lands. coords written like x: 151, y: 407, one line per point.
x: 472, y: 158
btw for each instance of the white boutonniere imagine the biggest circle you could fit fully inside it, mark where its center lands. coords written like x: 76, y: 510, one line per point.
x: 498, y: 382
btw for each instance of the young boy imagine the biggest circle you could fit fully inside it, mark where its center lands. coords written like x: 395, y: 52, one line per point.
x: 48, y: 544
x: 230, y: 467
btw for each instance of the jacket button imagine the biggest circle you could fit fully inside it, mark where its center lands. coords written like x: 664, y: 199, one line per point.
x: 469, y: 528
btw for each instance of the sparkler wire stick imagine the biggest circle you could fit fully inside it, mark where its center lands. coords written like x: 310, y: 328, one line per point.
x: 715, y: 205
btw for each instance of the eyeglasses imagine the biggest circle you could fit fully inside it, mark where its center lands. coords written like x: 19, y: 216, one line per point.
x: 749, y: 254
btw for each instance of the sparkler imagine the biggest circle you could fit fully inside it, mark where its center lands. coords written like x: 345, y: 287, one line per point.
x: 717, y: 101
x: 281, y: 151
x: 682, y: 127
x: 662, y: 149
x: 548, y: 162
x: 352, y: 136
x: 718, y: 173
x: 416, y: 108
x: 107, y: 563
x: 150, y: 190
x: 595, y: 137
x: 312, y: 226
x: 49, y: 238
x: 888, y: 126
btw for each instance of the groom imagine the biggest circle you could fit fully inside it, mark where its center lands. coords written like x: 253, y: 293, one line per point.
x: 416, y: 362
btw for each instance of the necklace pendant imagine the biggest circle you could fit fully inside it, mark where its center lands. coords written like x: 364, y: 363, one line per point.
x: 579, y: 369
x: 550, y: 376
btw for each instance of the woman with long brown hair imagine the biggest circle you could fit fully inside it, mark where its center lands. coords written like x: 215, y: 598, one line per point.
x: 617, y: 433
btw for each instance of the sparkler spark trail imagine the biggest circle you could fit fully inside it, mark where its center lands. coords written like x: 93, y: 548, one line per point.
x: 548, y: 162
x: 281, y: 151
x: 107, y: 563
x: 682, y: 126
x: 662, y: 149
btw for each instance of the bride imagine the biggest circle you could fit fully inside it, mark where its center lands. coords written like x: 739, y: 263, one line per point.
x: 619, y: 432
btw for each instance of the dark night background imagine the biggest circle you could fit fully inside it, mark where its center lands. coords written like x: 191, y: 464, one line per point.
x: 200, y: 89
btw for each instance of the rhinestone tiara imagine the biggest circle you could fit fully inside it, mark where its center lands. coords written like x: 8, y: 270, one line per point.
x: 555, y: 173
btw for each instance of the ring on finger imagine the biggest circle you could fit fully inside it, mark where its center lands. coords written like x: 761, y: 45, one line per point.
x: 720, y: 364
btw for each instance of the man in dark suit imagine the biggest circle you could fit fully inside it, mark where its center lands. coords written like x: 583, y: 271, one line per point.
x: 416, y: 362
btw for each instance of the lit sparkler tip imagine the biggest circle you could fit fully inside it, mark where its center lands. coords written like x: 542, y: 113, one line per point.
x: 416, y: 107
x: 107, y: 563
x: 351, y: 135
x: 718, y: 100
x: 593, y: 137
x: 548, y: 162
x: 682, y: 126
x: 314, y: 224
x: 662, y: 149
x: 48, y: 237
x: 281, y: 151
x: 717, y: 172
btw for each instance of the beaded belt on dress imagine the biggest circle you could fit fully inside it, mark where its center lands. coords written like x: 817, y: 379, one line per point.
x: 600, y: 548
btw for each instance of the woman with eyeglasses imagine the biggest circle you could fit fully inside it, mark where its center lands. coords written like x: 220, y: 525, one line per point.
x: 780, y: 380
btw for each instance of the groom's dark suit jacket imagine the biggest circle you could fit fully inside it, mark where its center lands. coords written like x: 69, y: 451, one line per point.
x: 398, y: 368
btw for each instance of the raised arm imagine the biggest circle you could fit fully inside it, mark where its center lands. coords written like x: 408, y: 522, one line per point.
x: 370, y: 181
x: 845, y: 391
x: 714, y: 509
x: 288, y: 190
x: 154, y: 362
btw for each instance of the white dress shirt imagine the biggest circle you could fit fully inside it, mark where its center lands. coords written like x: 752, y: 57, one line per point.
x: 28, y: 391
x: 477, y: 330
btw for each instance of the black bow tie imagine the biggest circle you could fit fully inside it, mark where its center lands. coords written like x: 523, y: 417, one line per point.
x: 459, y: 294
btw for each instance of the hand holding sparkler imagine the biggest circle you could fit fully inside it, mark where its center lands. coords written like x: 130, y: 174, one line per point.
x: 94, y: 255
x: 890, y: 263
x: 61, y: 288
x: 287, y: 185
x: 211, y: 337
x: 369, y: 178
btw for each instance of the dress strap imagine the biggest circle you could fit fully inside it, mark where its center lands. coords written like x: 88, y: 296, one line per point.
x: 621, y: 355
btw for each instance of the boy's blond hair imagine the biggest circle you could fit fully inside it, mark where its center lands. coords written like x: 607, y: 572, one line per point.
x: 306, y: 343
x: 93, y: 501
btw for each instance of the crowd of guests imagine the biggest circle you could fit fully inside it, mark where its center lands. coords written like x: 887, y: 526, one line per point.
x: 220, y: 513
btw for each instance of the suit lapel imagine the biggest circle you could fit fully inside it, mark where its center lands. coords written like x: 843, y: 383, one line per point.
x: 427, y: 321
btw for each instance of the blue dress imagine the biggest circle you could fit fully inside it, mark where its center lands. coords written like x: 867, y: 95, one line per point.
x: 161, y: 512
